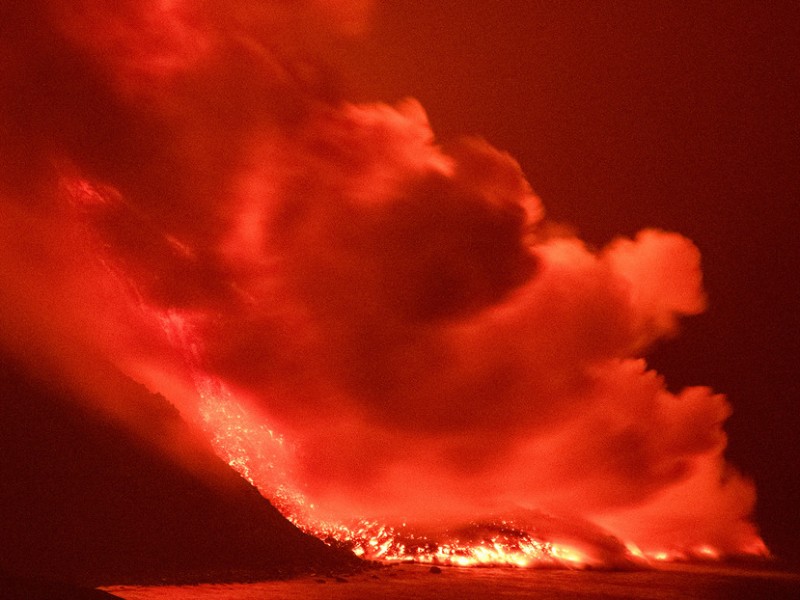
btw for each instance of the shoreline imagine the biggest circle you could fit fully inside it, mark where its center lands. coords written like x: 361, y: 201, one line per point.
x: 422, y: 582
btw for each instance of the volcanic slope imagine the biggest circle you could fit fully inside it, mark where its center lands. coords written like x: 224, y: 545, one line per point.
x: 88, y: 500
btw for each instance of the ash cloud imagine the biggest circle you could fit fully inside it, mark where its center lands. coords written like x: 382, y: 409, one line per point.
x: 397, y: 307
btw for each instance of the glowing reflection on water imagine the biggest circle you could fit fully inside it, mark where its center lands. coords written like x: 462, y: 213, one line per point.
x: 410, y: 581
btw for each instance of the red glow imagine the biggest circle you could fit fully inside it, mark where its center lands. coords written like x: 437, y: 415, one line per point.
x: 376, y: 330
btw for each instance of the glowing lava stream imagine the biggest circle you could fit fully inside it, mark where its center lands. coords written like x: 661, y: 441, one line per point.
x: 254, y: 451
x: 261, y: 456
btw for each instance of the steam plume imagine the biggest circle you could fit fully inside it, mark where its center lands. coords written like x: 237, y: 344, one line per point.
x: 395, y: 307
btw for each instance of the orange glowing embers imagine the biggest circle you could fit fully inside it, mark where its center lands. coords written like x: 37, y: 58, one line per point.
x: 251, y: 445
x: 494, y: 544
x: 259, y: 455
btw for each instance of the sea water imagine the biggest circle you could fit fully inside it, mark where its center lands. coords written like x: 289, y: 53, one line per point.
x: 419, y: 583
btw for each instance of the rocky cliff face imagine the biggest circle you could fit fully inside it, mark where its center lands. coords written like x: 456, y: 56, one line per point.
x: 86, y: 499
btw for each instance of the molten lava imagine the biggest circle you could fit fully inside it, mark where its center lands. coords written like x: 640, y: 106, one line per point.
x: 262, y: 456
x: 257, y: 453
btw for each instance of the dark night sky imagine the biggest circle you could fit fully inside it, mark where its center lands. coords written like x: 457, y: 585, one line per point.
x: 681, y: 116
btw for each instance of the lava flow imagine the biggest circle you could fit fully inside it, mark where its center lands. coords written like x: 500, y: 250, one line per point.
x: 253, y: 449
x: 262, y: 456
x: 259, y: 455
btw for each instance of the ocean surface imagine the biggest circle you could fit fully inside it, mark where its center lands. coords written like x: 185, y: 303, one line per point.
x: 419, y: 583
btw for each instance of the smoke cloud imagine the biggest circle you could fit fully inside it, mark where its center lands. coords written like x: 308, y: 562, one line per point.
x: 399, y: 309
